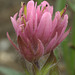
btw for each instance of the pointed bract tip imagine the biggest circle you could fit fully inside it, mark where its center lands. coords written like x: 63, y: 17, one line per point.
x: 11, y: 41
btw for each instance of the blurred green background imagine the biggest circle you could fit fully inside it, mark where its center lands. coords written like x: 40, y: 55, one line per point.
x: 9, y: 58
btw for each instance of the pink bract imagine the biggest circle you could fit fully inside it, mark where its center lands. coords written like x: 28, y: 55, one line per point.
x: 37, y: 33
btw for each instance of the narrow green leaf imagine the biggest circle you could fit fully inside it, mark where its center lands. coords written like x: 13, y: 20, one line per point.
x: 56, y: 53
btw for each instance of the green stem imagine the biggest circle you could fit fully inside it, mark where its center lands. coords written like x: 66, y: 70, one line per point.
x: 50, y: 63
x: 26, y: 71
x: 36, y: 70
x: 25, y: 68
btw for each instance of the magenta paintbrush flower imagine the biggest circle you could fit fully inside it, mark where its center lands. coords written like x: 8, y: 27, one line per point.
x: 37, y: 33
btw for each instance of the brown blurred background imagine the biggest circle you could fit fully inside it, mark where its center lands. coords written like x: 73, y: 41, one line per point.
x: 8, y: 55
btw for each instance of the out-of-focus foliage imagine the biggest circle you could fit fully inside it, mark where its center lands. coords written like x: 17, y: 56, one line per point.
x: 60, y: 4
x: 71, y: 4
x: 68, y: 45
x: 38, y: 1
x: 8, y: 71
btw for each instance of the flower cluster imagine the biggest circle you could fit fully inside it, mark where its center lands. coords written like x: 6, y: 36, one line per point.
x: 37, y: 33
